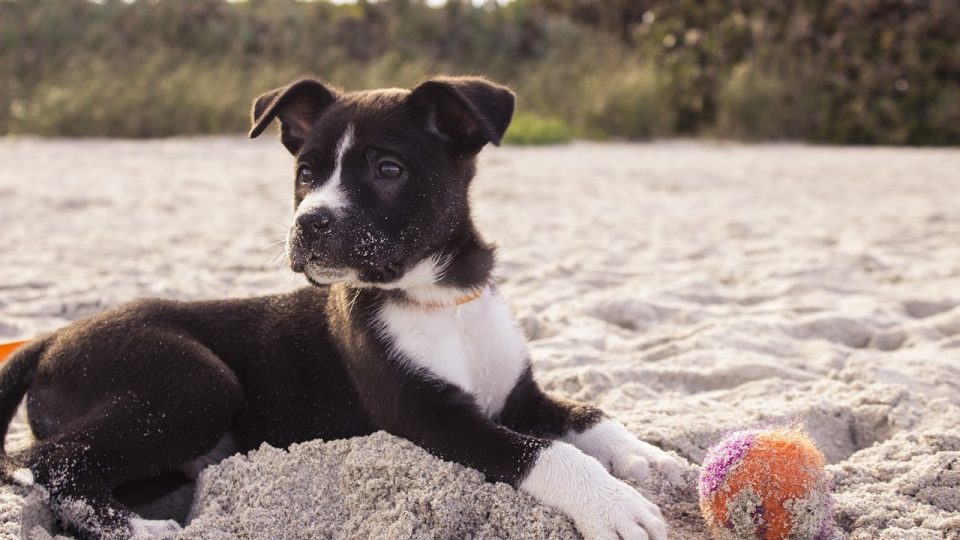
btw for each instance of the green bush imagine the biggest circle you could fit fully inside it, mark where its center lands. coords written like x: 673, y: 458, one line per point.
x: 630, y: 104
x: 756, y: 106
x: 864, y: 71
x: 533, y: 129
x: 869, y: 71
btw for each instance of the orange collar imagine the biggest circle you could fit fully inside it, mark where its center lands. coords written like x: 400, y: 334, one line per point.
x: 465, y: 299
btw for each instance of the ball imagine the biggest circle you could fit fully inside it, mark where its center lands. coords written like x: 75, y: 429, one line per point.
x: 768, y: 484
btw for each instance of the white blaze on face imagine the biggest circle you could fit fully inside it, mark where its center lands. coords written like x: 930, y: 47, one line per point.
x: 330, y: 195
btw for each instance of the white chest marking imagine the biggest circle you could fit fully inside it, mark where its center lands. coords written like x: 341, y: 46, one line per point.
x: 477, y: 346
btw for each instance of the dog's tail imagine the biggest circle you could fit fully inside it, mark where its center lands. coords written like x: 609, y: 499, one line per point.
x: 16, y: 374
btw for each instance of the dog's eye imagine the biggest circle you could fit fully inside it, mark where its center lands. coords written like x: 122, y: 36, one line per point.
x: 389, y: 169
x: 304, y: 174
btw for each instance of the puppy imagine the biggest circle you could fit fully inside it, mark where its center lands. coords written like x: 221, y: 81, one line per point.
x: 402, y: 330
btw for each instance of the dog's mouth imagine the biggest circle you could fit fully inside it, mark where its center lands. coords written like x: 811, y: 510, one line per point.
x: 320, y: 270
x: 323, y: 274
x: 386, y: 267
x: 327, y: 274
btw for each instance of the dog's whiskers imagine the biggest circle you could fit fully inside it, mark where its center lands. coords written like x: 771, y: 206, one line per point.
x: 441, y: 262
x: 353, y: 301
x: 268, y: 246
x: 281, y: 258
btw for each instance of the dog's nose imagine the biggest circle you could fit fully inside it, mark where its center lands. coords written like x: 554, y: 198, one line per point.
x: 315, y: 223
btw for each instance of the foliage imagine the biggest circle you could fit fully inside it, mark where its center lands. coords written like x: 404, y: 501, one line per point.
x: 845, y: 71
x: 533, y: 129
x: 632, y: 103
x: 753, y: 105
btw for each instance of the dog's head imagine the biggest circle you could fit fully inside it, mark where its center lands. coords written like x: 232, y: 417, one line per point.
x: 382, y: 176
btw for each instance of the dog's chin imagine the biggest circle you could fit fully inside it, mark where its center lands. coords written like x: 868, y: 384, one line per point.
x: 322, y: 275
x: 392, y: 276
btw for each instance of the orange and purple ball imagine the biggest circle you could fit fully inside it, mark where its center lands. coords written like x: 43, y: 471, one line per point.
x: 768, y: 484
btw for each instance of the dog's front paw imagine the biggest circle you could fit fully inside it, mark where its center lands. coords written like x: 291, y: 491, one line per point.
x: 625, y: 455
x: 620, y: 512
x: 601, y: 506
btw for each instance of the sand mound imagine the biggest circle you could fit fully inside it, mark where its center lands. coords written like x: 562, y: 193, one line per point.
x: 376, y: 486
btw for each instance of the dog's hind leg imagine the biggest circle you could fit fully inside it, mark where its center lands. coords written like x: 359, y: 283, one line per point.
x: 80, y: 468
x: 82, y: 498
x: 141, y: 430
x: 79, y: 495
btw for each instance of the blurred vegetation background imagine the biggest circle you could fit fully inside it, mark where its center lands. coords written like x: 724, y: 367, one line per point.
x: 836, y: 71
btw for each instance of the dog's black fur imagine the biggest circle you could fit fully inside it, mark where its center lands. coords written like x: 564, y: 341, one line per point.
x: 148, y: 386
x: 393, y: 226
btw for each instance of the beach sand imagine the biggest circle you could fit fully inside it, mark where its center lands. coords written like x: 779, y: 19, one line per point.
x: 686, y: 288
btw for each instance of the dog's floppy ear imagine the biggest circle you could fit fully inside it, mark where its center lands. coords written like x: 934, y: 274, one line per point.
x: 297, y: 105
x: 468, y: 111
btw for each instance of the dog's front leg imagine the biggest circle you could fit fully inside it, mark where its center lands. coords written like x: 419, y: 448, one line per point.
x: 448, y: 423
x: 530, y: 410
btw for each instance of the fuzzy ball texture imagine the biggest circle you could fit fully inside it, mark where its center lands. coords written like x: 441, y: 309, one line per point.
x: 768, y: 484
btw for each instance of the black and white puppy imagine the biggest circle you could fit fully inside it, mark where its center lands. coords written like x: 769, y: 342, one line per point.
x: 402, y: 330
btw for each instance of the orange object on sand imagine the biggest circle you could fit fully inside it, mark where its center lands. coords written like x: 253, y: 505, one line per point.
x: 7, y: 348
x: 766, y: 484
